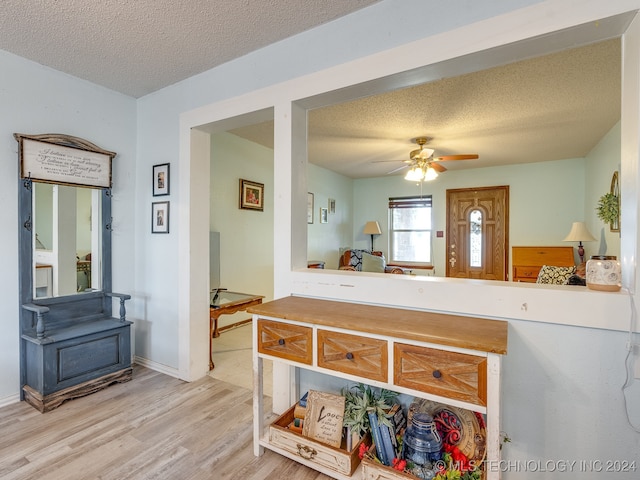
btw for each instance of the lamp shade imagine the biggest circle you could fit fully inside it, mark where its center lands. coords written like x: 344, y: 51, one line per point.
x: 579, y: 233
x: 372, y: 228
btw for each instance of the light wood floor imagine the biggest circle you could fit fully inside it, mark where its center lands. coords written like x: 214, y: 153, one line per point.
x: 154, y: 427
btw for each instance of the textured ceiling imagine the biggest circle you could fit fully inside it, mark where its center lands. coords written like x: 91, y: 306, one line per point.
x: 552, y: 107
x: 139, y: 46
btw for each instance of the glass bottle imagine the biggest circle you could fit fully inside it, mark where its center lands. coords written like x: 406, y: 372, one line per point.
x: 422, y: 444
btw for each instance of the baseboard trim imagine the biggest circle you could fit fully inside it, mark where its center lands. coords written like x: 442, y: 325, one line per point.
x: 9, y: 400
x: 158, y: 367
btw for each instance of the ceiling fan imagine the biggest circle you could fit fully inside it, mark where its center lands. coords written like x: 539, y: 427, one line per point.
x: 423, y: 165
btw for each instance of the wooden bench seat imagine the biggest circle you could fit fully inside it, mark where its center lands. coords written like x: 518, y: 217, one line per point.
x: 75, y: 347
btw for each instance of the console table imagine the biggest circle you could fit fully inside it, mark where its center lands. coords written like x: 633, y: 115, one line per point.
x: 450, y: 359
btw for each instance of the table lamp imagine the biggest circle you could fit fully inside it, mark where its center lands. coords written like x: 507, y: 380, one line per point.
x: 579, y: 233
x: 372, y: 228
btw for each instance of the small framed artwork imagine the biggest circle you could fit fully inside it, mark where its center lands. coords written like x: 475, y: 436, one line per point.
x: 161, y: 180
x: 324, y: 418
x: 332, y: 206
x: 324, y: 215
x: 309, y: 207
x: 160, y: 217
x: 251, y: 195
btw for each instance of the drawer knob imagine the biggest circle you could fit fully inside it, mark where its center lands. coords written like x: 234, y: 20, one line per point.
x: 306, y: 452
x: 349, y: 356
x: 281, y: 341
x: 437, y: 373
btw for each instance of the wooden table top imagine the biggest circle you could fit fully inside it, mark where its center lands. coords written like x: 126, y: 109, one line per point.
x: 472, y: 333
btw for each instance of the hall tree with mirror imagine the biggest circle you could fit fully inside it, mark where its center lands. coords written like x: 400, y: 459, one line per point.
x: 70, y: 344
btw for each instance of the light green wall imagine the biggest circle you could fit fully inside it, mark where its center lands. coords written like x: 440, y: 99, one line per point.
x: 325, y: 239
x: 246, y: 236
x: 602, y: 161
x: 545, y: 199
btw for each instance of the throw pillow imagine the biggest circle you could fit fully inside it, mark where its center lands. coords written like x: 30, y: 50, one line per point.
x: 372, y: 263
x: 555, y: 275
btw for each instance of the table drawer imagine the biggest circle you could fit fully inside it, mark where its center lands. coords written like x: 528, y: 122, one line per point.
x: 354, y: 354
x: 283, y: 340
x: 448, y: 374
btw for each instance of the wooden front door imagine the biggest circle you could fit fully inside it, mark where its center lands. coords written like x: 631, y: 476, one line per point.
x: 478, y: 233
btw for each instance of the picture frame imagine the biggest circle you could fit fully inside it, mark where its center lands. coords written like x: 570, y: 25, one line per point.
x: 324, y: 215
x: 332, y: 206
x: 309, y: 207
x: 160, y: 217
x: 161, y: 180
x: 251, y: 195
x: 324, y: 418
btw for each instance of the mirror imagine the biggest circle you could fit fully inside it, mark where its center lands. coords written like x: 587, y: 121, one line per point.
x: 66, y: 222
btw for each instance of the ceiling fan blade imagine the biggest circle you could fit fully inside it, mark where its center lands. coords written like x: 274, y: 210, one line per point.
x: 437, y: 167
x: 389, y: 161
x: 446, y: 158
x: 397, y: 169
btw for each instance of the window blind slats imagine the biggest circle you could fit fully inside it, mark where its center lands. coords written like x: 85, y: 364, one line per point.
x: 410, y: 202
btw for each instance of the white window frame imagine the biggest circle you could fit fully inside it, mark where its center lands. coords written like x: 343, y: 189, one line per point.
x: 424, y: 201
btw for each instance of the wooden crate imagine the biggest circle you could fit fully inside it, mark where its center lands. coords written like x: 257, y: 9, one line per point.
x: 339, y: 459
x: 376, y: 471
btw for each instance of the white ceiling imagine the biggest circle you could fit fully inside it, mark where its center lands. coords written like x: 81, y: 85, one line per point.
x: 139, y: 46
x: 552, y: 107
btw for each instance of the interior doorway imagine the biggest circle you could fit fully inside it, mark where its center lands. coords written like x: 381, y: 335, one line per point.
x: 478, y: 233
x: 241, y: 244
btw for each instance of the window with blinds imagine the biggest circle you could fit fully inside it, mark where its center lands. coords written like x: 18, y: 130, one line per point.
x: 410, y: 230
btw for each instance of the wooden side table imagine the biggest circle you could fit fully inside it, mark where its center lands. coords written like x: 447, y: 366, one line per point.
x: 226, y: 303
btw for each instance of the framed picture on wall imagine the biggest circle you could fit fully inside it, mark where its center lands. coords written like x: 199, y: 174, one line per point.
x: 160, y: 217
x: 161, y: 180
x: 332, y: 205
x: 251, y: 195
x: 324, y: 215
x: 309, y: 207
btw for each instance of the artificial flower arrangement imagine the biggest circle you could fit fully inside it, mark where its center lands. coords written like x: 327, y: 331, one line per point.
x: 454, y: 464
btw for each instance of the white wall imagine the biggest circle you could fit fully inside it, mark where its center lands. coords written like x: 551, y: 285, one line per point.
x: 34, y: 100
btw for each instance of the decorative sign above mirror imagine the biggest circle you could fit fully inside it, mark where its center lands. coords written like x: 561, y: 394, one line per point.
x: 45, y: 158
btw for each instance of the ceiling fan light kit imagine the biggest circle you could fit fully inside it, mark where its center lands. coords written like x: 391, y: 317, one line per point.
x: 418, y: 174
x: 423, y: 166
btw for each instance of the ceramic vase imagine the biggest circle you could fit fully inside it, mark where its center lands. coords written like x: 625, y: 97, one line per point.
x: 603, y: 273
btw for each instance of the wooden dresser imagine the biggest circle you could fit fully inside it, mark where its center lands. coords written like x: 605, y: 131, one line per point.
x: 450, y: 359
x: 527, y: 261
